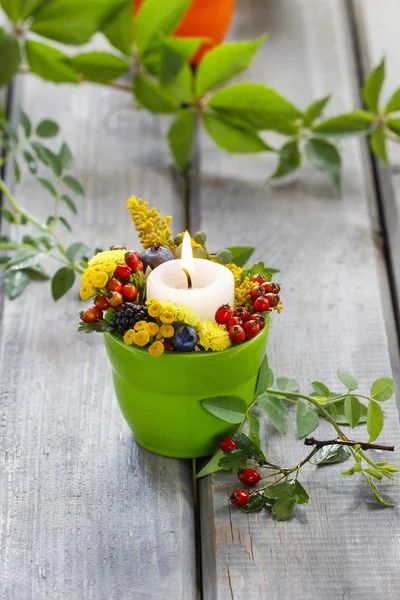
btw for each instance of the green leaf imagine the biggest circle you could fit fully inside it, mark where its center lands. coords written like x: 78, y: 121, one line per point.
x: 230, y: 136
x: 174, y: 53
x: 261, y: 107
x: 289, y: 160
x: 119, y: 29
x: 264, y: 376
x: 153, y: 97
x: 393, y: 104
x: 377, y: 142
x: 31, y: 162
x: 100, y: 67
x: 352, y: 410
x: 225, y: 61
x: 48, y: 186
x: 382, y: 389
x: 287, y: 385
x: 15, y: 283
x: 11, y: 8
x: 321, y: 389
x: 181, y: 88
x: 25, y: 259
x: 98, y: 326
x: 77, y: 251
x: 212, y: 466
x: 358, y: 121
x: 375, y: 420
x: 157, y: 17
x: 314, y: 111
x: 40, y: 152
x: 373, y: 473
x: 181, y: 137
x: 25, y: 122
x: 241, y: 254
x: 306, y: 419
x: 348, y: 380
x: 70, y: 203
x: 257, y: 501
x: 9, y: 130
x: 286, y: 495
x: 7, y: 215
x: 231, y: 409
x: 53, y: 161
x: 340, y: 417
x: 29, y: 7
x: 373, y: 86
x: 328, y: 455
x: 37, y: 273
x: 49, y: 63
x: 376, y: 493
x: 10, y: 57
x: 303, y: 497
x: 47, y: 129
x: 71, y: 21
x: 17, y: 171
x: 233, y: 461
x: 394, y: 125
x: 73, y: 185
x: 273, y: 406
x: 62, y: 281
x: 324, y: 155
x: 248, y: 448
x: 65, y: 156
x: 64, y: 221
x: 254, y: 429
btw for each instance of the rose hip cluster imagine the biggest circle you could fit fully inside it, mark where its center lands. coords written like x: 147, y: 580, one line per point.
x: 248, y: 476
x: 240, y: 324
x: 119, y: 289
x: 264, y: 294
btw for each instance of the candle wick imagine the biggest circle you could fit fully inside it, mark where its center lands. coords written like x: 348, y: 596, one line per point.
x: 189, y: 279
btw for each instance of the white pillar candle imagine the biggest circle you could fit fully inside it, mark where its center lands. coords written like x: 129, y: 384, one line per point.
x: 212, y: 284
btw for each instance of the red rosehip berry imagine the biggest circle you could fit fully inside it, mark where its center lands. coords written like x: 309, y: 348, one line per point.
x: 237, y: 334
x: 129, y: 292
x: 261, y: 304
x: 122, y: 272
x: 256, y: 291
x: 258, y: 278
x: 140, y: 266
x: 168, y: 345
x: 270, y: 286
x: 132, y: 259
x: 273, y: 299
x: 249, y: 476
x: 101, y: 302
x: 242, y: 313
x: 233, y: 321
x: 251, y: 328
x: 114, y: 285
x: 239, y: 497
x: 115, y: 299
x: 227, y: 444
x: 117, y: 247
x: 90, y: 315
x: 259, y: 318
x: 223, y: 314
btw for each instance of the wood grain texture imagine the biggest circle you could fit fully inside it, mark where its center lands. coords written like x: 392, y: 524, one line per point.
x: 341, y: 545
x: 84, y: 512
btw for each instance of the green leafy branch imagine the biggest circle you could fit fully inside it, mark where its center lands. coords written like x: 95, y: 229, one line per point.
x: 282, y: 490
x: 31, y: 242
x: 153, y: 65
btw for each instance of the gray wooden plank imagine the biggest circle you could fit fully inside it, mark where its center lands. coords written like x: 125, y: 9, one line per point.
x: 84, y: 512
x: 340, y: 545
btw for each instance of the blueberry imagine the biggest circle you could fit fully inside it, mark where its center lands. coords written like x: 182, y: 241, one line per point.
x: 156, y: 255
x: 185, y: 339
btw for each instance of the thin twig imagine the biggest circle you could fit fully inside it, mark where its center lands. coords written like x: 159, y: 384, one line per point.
x: 363, y: 445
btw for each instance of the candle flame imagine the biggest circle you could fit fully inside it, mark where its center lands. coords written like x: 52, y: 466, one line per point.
x: 187, y: 261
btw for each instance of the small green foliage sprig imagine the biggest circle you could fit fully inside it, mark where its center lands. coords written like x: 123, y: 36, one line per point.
x: 281, y: 489
x: 30, y: 242
x: 155, y: 67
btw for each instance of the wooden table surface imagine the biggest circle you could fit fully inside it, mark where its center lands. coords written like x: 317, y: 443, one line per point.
x: 87, y: 514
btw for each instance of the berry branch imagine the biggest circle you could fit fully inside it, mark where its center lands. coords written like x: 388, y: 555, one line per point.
x: 363, y: 445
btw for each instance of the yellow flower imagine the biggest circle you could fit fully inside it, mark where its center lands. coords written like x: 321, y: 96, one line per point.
x: 108, y: 258
x: 140, y: 325
x: 87, y: 291
x: 155, y: 309
x: 242, y: 293
x: 98, y: 279
x: 152, y: 228
x: 212, y: 336
x: 236, y: 272
x: 129, y: 337
x: 141, y: 338
x: 170, y: 307
x: 167, y: 331
x: 152, y: 329
x: 151, y: 301
x: 279, y: 307
x: 166, y: 317
x: 156, y: 349
x: 187, y: 315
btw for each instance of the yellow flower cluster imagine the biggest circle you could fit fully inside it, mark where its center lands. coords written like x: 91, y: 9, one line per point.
x: 213, y: 336
x: 142, y: 337
x: 242, y: 293
x: 168, y: 312
x: 152, y: 228
x: 236, y: 272
x: 100, y: 269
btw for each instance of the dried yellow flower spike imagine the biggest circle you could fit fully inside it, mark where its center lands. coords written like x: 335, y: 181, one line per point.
x: 242, y: 293
x: 152, y: 228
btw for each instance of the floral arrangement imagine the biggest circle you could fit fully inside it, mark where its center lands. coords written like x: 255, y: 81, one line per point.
x: 116, y: 279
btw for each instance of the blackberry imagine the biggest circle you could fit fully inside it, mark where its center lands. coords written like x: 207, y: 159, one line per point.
x: 126, y: 315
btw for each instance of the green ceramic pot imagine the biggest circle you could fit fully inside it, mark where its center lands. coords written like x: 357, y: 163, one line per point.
x: 159, y: 396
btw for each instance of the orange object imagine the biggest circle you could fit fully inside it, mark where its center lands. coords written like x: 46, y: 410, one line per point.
x: 204, y: 18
